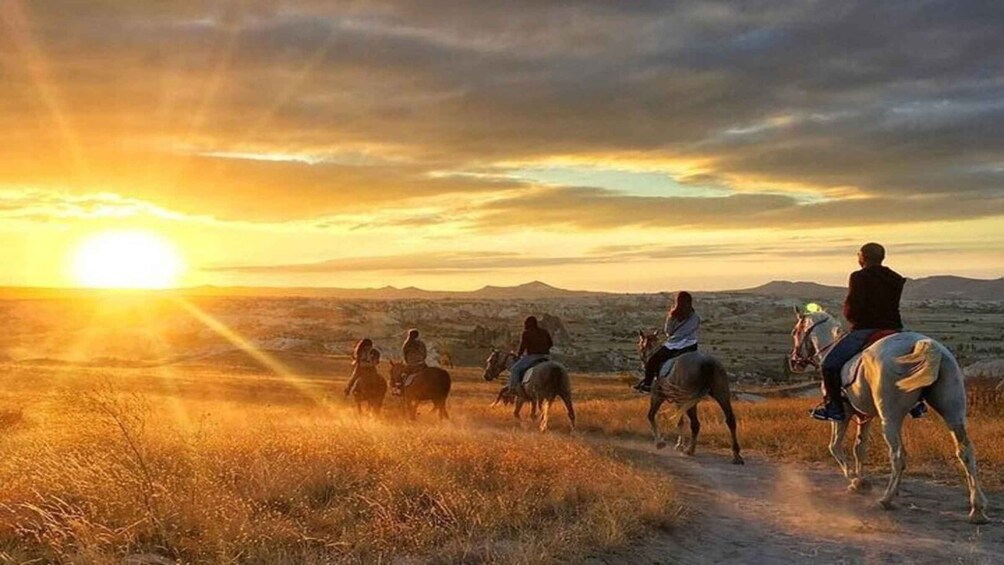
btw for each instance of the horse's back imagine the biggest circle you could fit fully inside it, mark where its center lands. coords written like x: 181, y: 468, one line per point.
x: 549, y: 378
x: 433, y: 383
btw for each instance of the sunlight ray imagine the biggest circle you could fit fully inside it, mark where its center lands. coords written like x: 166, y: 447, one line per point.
x: 15, y: 21
x: 252, y: 350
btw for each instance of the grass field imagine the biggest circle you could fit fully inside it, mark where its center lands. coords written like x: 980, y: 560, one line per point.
x: 214, y: 465
x: 230, y: 464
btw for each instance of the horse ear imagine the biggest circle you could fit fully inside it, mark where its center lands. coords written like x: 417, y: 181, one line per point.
x: 641, y: 333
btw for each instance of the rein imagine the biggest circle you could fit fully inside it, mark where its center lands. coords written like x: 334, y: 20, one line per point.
x: 807, y: 338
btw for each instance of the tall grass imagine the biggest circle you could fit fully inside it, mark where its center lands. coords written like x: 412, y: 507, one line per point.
x: 98, y: 474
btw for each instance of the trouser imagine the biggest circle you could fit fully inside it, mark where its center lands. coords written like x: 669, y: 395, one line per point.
x: 838, y: 356
x: 659, y: 358
x: 519, y: 368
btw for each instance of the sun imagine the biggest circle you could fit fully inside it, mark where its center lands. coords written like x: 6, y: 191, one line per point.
x: 127, y: 259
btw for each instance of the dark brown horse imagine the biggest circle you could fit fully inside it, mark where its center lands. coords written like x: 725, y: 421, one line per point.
x: 367, y: 389
x: 430, y: 384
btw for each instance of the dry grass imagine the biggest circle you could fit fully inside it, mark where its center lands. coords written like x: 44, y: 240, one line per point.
x: 203, y: 464
x: 781, y: 428
x: 198, y: 466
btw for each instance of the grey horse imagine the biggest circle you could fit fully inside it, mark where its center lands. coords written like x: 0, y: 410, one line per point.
x: 889, y: 378
x: 541, y: 385
x: 693, y: 376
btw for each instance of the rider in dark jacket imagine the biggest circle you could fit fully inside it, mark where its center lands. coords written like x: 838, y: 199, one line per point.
x: 872, y: 304
x: 534, y: 345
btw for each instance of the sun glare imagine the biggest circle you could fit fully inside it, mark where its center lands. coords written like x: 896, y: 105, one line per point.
x: 127, y: 259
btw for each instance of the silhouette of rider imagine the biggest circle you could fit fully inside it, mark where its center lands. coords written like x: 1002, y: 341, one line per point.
x: 682, y: 327
x: 415, y: 353
x: 872, y: 304
x: 534, y: 346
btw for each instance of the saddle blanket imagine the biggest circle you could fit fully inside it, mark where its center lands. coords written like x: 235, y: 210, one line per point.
x: 849, y: 373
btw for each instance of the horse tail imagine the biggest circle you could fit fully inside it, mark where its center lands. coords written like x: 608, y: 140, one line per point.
x: 710, y: 369
x: 920, y: 366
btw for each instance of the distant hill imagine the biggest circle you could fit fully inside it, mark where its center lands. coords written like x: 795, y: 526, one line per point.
x: 799, y: 289
x: 943, y: 287
x: 946, y: 286
x: 529, y: 291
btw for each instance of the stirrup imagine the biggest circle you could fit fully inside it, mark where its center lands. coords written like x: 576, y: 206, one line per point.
x: 823, y: 413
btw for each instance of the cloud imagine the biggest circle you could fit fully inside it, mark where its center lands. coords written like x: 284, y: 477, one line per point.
x: 896, y: 104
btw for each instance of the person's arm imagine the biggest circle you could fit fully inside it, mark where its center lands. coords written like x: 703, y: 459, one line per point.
x: 668, y: 325
x: 352, y: 382
x: 550, y: 342
x: 853, y: 304
x: 423, y: 351
x: 522, y: 345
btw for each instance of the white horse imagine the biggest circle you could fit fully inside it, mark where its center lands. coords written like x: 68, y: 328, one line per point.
x: 886, y: 380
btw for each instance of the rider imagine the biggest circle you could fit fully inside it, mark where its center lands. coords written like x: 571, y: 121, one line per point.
x: 872, y: 304
x: 415, y: 353
x: 364, y: 358
x: 535, y: 344
x: 682, y: 327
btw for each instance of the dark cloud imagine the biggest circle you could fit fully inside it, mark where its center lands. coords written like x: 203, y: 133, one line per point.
x: 898, y: 102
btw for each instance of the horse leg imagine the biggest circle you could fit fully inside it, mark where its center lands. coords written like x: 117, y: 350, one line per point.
x: 518, y: 407
x: 948, y: 398
x: 545, y: 409
x: 653, y: 412
x: 859, y: 483
x: 891, y: 429
x: 695, y: 428
x: 724, y: 400
x: 838, y: 431
x: 681, y: 445
x: 566, y: 397
x: 964, y: 451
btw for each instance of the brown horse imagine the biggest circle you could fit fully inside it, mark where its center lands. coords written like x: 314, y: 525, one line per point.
x: 430, y: 384
x: 367, y: 389
x: 542, y: 384
x: 694, y: 375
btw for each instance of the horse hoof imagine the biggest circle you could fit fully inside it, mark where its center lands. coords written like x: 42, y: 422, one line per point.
x: 660, y: 445
x: 886, y: 505
x: 689, y: 453
x: 859, y: 486
x: 680, y: 447
x: 738, y: 460
x: 978, y: 518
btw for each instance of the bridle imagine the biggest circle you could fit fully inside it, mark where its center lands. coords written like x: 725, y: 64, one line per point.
x: 497, y: 364
x: 811, y: 356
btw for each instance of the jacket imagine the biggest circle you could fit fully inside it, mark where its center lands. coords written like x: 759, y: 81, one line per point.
x: 873, y: 295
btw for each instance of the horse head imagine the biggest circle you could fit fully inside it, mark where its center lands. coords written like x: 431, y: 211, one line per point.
x: 396, y: 373
x: 814, y: 332
x: 494, y: 365
x: 648, y: 341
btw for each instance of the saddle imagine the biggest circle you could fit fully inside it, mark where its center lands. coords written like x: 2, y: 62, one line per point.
x: 534, y: 363
x: 849, y: 373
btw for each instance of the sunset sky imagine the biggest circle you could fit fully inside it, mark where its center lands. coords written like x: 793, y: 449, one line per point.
x: 628, y: 146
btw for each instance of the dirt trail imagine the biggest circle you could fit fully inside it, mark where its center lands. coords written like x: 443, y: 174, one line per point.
x: 766, y: 512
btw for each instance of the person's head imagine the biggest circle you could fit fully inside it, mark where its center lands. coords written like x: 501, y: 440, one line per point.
x: 412, y: 334
x: 871, y: 254
x: 364, y: 343
x: 375, y: 356
x: 683, y: 306
x: 530, y: 323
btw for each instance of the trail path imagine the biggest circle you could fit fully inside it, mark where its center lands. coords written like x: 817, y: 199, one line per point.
x: 778, y: 513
